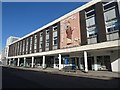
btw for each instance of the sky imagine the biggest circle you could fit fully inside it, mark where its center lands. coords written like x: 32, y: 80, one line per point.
x: 21, y: 18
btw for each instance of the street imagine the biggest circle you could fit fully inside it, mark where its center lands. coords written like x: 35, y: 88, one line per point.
x: 17, y: 78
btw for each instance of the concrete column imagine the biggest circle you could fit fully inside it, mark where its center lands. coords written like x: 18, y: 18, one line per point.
x: 9, y: 62
x: 32, y: 62
x: 6, y: 63
x: 79, y: 63
x: 43, y: 65
x: 95, y: 63
x: 85, y: 60
x: 54, y: 62
x: 24, y: 62
x: 13, y: 63
x: 18, y: 63
x: 59, y: 61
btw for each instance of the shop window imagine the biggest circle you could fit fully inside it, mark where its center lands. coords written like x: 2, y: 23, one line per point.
x: 103, y: 63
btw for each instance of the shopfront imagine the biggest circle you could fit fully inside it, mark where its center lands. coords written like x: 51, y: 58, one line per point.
x: 103, y: 63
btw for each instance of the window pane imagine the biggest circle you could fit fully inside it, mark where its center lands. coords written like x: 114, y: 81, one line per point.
x: 55, y: 42
x: 47, y: 31
x: 111, y: 23
x: 47, y: 37
x: 54, y: 34
x: 41, y: 34
x: 91, y: 31
x: 35, y: 46
x: 54, y: 28
x: 111, y: 14
x: 90, y: 21
x: 41, y: 38
x: 41, y: 45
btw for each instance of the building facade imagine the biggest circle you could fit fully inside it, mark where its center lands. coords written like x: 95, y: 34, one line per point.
x: 87, y: 38
x: 6, y: 48
x: 10, y: 40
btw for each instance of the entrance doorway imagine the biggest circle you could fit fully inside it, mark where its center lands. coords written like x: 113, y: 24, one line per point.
x: 74, y: 61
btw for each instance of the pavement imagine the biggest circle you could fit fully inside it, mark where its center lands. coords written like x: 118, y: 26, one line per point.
x: 78, y: 73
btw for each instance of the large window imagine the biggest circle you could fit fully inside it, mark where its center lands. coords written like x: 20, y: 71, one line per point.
x: 91, y: 26
x: 110, y: 14
x: 111, y: 21
x: 20, y: 47
x: 15, y: 46
x: 35, y: 43
x: 112, y: 26
x: 13, y: 49
x: 16, y: 49
x: 27, y: 40
x: 55, y: 41
x: 47, y: 43
x: 23, y: 47
x: 47, y: 40
x: 90, y: 21
x: 91, y: 32
x: 103, y: 63
x: 30, y: 44
x: 41, y: 41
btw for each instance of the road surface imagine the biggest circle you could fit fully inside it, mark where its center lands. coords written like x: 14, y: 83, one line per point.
x: 18, y: 78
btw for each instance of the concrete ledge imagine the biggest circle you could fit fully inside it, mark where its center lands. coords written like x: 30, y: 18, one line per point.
x: 97, y: 46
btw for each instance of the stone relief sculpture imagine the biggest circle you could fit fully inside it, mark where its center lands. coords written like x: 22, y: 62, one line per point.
x: 68, y: 32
